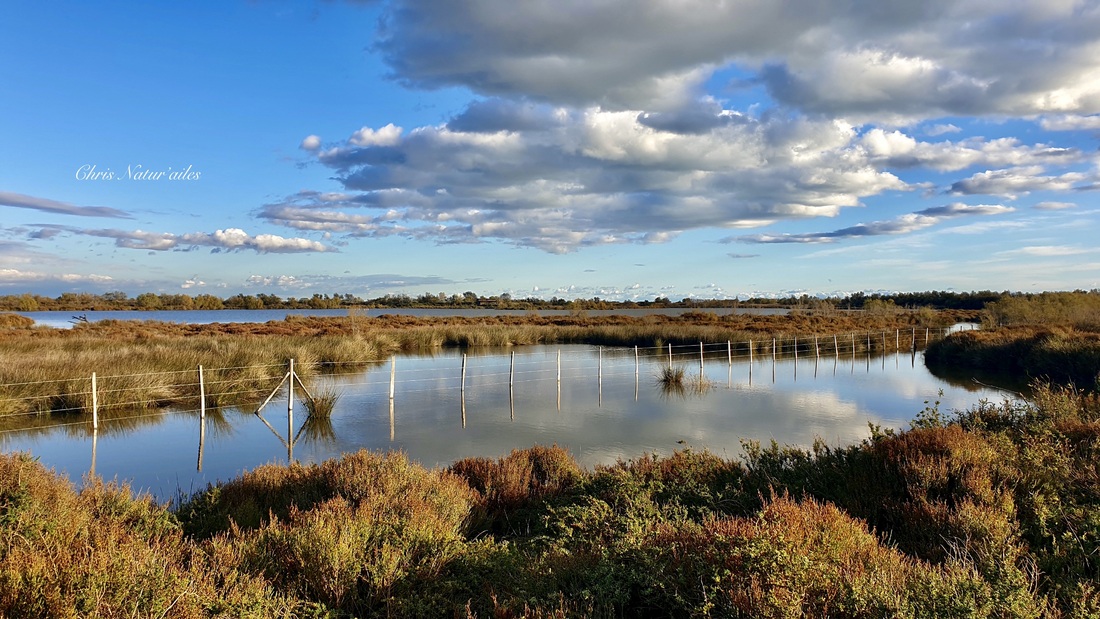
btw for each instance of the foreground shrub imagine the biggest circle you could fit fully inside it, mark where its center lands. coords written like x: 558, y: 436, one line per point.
x: 512, y: 486
x: 99, y: 552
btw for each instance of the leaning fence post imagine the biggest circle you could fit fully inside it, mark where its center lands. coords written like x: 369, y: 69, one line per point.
x: 512, y: 370
x: 670, y: 355
x: 559, y: 366
x: 463, y: 383
x: 700, y: 358
x: 636, y: 363
x: 729, y: 352
x: 95, y: 404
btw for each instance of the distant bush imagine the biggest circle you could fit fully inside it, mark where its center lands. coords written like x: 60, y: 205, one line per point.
x: 1075, y: 309
x: 13, y: 321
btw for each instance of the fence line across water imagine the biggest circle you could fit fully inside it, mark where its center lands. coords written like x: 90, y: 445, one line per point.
x: 776, y: 347
x: 519, y: 371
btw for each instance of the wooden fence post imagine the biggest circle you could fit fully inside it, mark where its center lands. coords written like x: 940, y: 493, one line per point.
x: 202, y: 396
x: 463, y: 383
x: 290, y: 414
x: 95, y: 405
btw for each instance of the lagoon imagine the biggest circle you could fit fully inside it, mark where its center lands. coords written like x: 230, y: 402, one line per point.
x: 607, y: 406
x: 62, y: 319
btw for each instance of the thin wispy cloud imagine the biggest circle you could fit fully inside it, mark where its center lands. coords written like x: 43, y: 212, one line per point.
x: 229, y: 239
x: 905, y: 224
x: 45, y: 205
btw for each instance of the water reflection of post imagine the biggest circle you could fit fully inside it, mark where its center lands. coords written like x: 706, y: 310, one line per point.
x: 392, y: 424
x: 599, y: 377
x: 750, y: 363
x: 636, y: 368
x: 511, y: 403
x: 202, y: 418
x: 95, y: 436
x: 463, y: 411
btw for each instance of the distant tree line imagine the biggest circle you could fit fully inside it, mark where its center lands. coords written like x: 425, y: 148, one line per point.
x: 82, y: 301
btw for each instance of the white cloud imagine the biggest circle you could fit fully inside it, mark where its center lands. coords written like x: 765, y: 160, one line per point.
x: 1070, y: 123
x: 942, y: 129
x: 16, y: 276
x: 385, y: 136
x: 1014, y: 182
x: 1048, y: 251
x: 230, y: 239
x: 310, y: 142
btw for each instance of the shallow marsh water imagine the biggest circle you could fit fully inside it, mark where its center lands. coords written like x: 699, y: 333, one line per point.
x: 607, y: 406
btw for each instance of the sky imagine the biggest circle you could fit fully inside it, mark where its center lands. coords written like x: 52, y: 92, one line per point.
x: 620, y: 149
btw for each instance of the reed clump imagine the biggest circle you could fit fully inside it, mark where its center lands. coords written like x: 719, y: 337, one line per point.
x: 322, y: 401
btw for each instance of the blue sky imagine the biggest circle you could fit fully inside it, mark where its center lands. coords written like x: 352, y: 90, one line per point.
x: 624, y: 149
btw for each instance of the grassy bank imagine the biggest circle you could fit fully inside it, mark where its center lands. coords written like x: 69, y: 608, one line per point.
x: 1060, y: 354
x: 153, y: 364
x: 991, y: 515
x: 1050, y: 337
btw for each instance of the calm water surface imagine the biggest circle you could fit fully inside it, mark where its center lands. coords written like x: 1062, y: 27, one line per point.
x: 65, y: 319
x: 606, y: 407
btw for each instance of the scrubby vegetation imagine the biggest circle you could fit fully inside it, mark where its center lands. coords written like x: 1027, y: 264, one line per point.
x: 993, y: 512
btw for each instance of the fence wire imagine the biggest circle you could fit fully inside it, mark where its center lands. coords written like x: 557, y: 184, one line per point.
x: 497, y: 369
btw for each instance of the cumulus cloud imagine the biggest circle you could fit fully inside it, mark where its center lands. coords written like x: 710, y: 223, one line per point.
x: 560, y: 179
x: 310, y: 142
x: 893, y: 59
x: 45, y: 205
x: 910, y: 222
x: 385, y: 136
